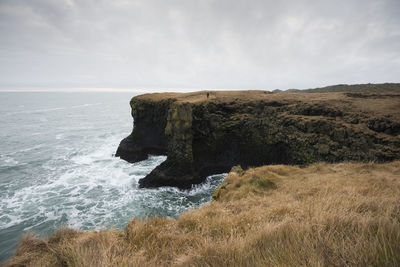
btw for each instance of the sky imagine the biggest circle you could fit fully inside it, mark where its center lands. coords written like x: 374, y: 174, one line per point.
x: 204, y: 44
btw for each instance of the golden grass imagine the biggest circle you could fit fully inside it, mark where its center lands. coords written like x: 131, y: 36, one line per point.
x: 381, y: 104
x: 201, y: 96
x: 344, y: 214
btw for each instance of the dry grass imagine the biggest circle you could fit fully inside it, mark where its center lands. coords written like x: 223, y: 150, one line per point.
x: 372, y: 105
x: 344, y: 214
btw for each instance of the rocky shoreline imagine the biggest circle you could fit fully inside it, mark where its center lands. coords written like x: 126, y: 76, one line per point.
x: 208, y: 132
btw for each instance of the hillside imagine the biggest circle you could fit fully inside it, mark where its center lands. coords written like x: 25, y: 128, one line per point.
x: 351, y: 88
x: 345, y: 214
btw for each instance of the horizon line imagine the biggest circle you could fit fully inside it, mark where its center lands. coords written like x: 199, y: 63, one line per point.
x: 116, y: 90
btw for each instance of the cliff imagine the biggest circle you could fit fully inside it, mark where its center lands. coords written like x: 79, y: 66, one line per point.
x: 206, y: 135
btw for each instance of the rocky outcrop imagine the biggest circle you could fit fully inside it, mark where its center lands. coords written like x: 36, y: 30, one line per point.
x: 206, y: 135
x: 148, y: 134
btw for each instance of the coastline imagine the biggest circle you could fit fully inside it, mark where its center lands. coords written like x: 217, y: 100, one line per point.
x: 346, y: 213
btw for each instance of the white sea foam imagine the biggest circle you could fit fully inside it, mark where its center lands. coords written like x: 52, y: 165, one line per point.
x: 93, y: 196
x: 7, y: 160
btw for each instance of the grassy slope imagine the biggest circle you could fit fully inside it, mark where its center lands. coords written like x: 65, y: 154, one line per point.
x: 322, y: 215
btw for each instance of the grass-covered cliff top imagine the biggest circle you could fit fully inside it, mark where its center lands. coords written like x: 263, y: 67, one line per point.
x: 251, y: 95
x: 345, y: 214
x: 215, y: 96
x: 365, y: 104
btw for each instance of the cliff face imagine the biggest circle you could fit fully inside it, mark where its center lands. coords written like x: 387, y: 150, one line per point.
x: 203, y: 136
x: 148, y: 135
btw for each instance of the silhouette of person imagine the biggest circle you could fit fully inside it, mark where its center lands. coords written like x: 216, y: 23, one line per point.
x: 208, y: 94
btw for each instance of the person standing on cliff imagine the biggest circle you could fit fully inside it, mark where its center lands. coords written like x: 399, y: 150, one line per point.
x: 208, y: 94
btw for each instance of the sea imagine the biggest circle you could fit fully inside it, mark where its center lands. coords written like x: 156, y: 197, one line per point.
x: 58, y: 169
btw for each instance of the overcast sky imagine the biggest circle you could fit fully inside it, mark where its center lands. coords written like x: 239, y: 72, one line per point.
x: 249, y: 44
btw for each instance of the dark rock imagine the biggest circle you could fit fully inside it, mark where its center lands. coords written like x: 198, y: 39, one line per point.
x: 384, y: 125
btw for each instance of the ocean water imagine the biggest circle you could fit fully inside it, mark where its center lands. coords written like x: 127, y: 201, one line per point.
x: 57, y: 167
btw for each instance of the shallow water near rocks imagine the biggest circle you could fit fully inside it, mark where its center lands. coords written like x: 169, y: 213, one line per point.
x: 57, y: 167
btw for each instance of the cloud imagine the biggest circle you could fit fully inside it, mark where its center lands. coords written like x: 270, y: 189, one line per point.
x: 198, y: 44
